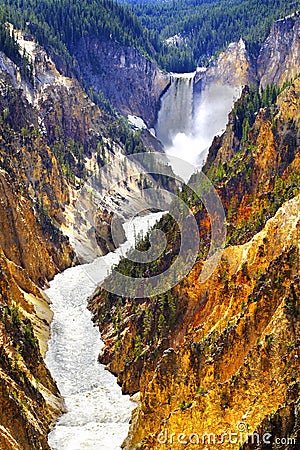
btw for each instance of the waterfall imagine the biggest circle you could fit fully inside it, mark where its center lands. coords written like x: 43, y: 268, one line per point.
x: 175, y: 115
x: 187, y: 123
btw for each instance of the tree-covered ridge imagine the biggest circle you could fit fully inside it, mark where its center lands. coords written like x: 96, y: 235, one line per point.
x: 202, y: 27
x: 60, y: 24
x: 178, y: 34
x: 9, y: 46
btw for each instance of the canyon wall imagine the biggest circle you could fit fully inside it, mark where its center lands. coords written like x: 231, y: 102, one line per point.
x: 131, y: 82
x: 207, y: 357
x: 62, y: 160
x: 278, y: 61
x: 33, y: 195
x: 233, y: 67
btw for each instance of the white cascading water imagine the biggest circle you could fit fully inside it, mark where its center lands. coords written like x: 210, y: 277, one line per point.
x: 176, y: 108
x: 186, y: 127
x: 98, y: 414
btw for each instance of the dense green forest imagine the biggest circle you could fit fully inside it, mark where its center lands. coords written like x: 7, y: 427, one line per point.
x: 202, y: 27
x: 60, y: 24
x: 178, y: 34
x: 197, y: 28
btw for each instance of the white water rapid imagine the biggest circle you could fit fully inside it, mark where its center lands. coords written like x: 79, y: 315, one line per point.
x: 98, y: 414
x: 187, y: 123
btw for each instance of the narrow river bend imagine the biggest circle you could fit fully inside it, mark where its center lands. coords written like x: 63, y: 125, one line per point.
x: 98, y: 414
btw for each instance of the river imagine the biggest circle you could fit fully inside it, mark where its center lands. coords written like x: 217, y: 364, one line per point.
x: 98, y: 414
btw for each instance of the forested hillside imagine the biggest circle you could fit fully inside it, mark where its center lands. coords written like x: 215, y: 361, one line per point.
x: 188, y: 32
x: 178, y: 34
x: 60, y: 24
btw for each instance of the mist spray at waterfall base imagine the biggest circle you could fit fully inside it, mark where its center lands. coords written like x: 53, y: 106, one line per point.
x: 186, y: 127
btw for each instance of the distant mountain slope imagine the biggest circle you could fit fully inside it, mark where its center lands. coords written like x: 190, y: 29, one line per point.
x: 101, y: 43
x: 189, y: 32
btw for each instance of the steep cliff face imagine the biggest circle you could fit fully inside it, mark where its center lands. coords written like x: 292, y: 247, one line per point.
x: 88, y: 144
x: 33, y: 195
x: 238, y: 361
x: 279, y: 57
x: 233, y: 67
x: 207, y: 357
x: 130, y: 81
x: 30, y: 401
x: 33, y: 191
x: 60, y: 155
x: 277, y: 62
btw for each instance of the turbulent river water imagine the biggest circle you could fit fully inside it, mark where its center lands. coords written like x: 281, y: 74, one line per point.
x: 98, y: 414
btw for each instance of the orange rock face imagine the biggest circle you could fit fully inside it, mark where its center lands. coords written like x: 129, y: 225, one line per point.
x: 32, y: 250
x: 233, y: 359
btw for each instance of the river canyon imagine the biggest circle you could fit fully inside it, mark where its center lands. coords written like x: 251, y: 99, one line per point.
x: 97, y: 414
x: 83, y: 367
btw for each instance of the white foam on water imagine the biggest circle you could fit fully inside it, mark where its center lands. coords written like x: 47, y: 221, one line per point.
x: 98, y: 414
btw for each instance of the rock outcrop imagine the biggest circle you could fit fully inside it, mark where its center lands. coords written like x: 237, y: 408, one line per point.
x: 233, y: 68
x: 278, y: 61
x: 131, y: 82
x: 238, y: 361
x: 30, y: 401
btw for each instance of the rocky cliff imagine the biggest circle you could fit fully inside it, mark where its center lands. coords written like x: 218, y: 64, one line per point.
x: 233, y: 67
x: 128, y: 79
x: 223, y: 356
x: 277, y: 62
x: 60, y: 154
x: 33, y: 195
x: 279, y: 57
x: 30, y: 401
